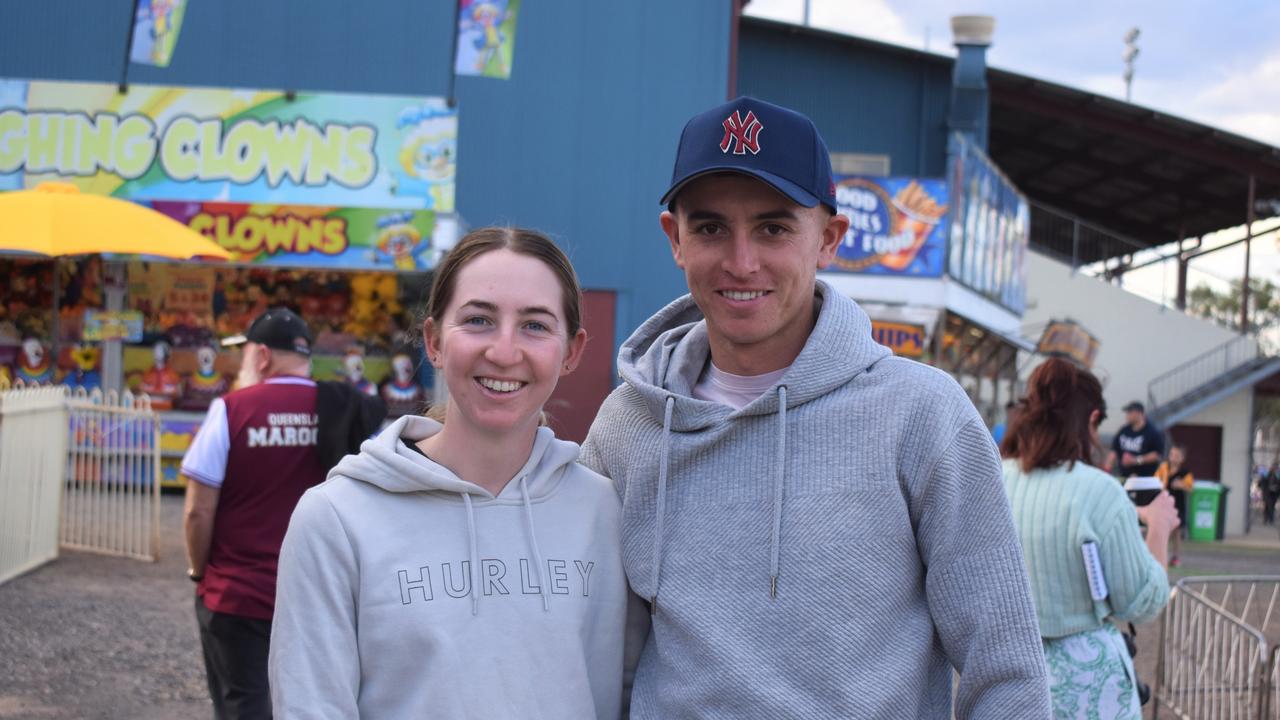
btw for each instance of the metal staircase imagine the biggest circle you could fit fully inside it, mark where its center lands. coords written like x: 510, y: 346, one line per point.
x: 1208, y: 379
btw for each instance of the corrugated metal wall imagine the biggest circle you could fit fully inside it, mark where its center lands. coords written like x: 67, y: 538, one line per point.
x: 579, y: 142
x: 865, y: 98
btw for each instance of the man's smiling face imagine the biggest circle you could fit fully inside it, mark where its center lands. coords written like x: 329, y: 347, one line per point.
x: 750, y: 256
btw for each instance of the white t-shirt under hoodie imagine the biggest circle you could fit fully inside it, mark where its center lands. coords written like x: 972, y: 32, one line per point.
x: 736, y: 391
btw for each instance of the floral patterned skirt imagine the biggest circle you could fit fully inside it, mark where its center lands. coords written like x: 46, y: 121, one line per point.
x: 1091, y: 676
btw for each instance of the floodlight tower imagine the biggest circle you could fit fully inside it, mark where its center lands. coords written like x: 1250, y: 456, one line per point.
x: 1130, y: 54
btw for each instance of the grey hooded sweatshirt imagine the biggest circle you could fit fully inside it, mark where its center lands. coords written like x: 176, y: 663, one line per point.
x: 830, y: 550
x: 405, y: 591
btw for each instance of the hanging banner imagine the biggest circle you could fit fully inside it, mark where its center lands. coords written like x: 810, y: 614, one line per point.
x: 897, y: 226
x: 905, y: 339
x: 990, y: 222
x: 204, y: 144
x: 486, y: 37
x: 155, y: 31
x: 311, y: 236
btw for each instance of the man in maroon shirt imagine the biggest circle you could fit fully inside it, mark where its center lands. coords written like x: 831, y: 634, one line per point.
x: 254, y: 456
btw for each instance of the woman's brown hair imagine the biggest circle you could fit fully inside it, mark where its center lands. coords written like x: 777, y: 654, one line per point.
x: 518, y: 240
x: 1052, y: 423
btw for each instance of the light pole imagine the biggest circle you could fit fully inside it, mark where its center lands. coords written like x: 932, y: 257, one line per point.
x: 1130, y: 54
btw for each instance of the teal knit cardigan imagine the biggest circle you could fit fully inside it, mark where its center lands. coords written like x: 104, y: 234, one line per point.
x: 1056, y: 511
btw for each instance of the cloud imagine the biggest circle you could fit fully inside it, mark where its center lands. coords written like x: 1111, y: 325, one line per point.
x: 1246, y: 100
x: 1195, y: 62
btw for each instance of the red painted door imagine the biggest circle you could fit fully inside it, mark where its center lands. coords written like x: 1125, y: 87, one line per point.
x: 578, y: 396
x: 1204, y: 449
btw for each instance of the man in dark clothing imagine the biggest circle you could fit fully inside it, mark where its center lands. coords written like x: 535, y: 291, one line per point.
x: 1139, y: 446
x: 257, y: 451
x: 1270, y: 493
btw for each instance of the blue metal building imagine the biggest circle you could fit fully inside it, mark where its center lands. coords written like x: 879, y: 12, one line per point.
x: 578, y: 142
x: 867, y: 97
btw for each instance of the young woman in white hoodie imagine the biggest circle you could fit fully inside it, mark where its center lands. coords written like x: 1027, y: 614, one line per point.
x: 468, y: 568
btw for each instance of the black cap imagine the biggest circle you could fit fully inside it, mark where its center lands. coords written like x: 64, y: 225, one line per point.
x: 1135, y: 405
x: 279, y: 329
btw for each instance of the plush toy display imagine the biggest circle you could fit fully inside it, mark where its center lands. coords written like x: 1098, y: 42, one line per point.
x: 354, y: 363
x: 206, y: 383
x: 85, y: 373
x: 161, y: 382
x: 34, y: 366
x: 400, y: 392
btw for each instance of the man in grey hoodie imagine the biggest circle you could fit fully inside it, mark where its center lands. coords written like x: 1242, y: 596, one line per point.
x: 819, y: 527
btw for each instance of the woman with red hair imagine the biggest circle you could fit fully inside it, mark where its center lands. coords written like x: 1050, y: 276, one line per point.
x: 1066, y: 509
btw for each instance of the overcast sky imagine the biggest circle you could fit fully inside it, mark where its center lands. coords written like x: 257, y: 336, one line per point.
x: 1214, y: 62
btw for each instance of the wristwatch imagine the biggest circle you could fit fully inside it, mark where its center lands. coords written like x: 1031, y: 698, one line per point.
x: 191, y: 574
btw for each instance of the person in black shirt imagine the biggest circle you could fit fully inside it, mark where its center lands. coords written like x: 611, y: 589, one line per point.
x: 1270, y: 493
x: 1139, y: 446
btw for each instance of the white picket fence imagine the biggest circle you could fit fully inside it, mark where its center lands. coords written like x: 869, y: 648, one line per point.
x: 33, y: 450
x: 78, y: 471
x: 112, y: 499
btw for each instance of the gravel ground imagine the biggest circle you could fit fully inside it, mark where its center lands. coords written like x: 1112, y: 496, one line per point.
x: 91, y: 637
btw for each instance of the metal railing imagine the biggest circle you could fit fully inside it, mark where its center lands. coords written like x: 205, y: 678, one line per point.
x: 112, y: 496
x: 1201, y: 370
x: 1217, y: 649
x: 1083, y: 245
x: 33, y: 438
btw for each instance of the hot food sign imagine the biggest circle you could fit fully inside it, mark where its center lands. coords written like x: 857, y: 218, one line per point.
x: 897, y: 226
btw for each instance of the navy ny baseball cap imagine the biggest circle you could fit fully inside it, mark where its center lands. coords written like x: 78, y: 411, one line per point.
x: 760, y: 139
x: 279, y: 329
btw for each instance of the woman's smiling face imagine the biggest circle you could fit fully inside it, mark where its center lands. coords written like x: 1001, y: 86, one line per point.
x: 502, y: 342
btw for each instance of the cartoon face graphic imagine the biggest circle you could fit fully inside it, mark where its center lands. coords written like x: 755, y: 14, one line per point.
x: 485, y: 13
x: 427, y: 157
x: 33, y: 352
x: 402, y: 367
x: 204, y: 358
x: 399, y: 240
x: 428, y: 147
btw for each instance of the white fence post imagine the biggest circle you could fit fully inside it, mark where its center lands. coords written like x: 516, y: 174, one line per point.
x: 33, y: 442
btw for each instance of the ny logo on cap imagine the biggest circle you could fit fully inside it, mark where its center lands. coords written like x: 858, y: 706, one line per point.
x: 746, y: 131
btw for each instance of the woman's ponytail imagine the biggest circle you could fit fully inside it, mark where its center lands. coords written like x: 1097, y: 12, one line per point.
x: 1052, y: 421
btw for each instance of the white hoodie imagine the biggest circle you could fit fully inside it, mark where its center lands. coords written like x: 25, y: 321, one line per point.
x: 407, y: 592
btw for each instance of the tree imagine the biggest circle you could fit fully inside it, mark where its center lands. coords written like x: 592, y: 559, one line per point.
x: 1224, y: 307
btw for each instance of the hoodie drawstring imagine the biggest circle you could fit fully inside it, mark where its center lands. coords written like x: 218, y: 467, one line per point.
x: 662, y: 502
x: 533, y: 541
x: 776, y: 535
x: 475, y: 555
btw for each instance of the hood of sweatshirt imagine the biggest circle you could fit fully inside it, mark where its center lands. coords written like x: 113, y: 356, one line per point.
x: 664, y: 358
x: 385, y: 462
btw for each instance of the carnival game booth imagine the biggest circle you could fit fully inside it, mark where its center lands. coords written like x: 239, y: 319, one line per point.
x: 334, y: 205
x: 166, y: 340
x: 363, y: 323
